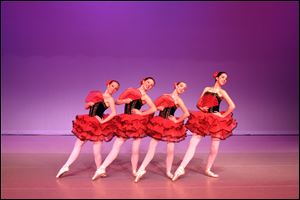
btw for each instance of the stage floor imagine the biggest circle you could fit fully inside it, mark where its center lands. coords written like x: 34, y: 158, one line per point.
x: 249, y: 167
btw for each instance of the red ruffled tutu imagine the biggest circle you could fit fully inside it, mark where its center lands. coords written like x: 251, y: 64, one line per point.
x: 86, y: 127
x: 166, y: 130
x: 131, y: 125
x: 202, y: 123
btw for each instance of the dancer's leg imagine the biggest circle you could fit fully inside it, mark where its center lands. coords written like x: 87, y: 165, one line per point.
x: 97, y: 153
x: 75, y: 152
x: 215, y: 143
x: 113, y: 152
x: 135, y: 154
x: 189, y: 154
x: 73, y: 156
x: 149, y: 156
x: 169, y: 159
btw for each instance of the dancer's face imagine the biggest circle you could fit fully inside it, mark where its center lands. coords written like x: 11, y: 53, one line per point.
x: 148, y: 84
x: 113, y: 87
x: 222, y: 79
x: 181, y: 87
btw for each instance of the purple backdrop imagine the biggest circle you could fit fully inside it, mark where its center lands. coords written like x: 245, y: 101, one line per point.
x: 53, y: 53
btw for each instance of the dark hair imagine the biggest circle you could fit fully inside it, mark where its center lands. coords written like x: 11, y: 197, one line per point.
x: 177, y: 83
x: 219, y: 74
x: 111, y: 81
x: 149, y: 77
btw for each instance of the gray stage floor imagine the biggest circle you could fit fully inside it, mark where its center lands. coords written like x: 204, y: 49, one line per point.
x: 249, y: 167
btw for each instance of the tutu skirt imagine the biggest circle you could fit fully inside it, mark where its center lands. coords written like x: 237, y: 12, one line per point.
x: 131, y: 125
x: 166, y: 130
x: 86, y: 127
x: 202, y: 123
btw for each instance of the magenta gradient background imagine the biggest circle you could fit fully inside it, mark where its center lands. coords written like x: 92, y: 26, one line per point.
x: 53, y: 53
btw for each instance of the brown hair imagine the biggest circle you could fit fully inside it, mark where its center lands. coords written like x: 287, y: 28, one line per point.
x: 217, y: 74
x: 149, y: 77
x: 177, y: 83
x: 108, y: 82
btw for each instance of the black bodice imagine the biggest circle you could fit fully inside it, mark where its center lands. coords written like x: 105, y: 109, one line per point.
x: 166, y: 112
x: 98, y: 109
x: 135, y: 104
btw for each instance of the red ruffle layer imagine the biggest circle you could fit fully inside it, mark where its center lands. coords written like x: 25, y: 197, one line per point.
x: 131, y: 125
x: 166, y: 130
x: 86, y: 127
x: 204, y: 124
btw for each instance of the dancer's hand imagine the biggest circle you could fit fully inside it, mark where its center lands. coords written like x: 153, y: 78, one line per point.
x: 205, y: 108
x: 172, y: 118
x: 161, y: 108
x: 128, y: 100
x: 99, y: 119
x: 136, y: 111
x: 218, y: 114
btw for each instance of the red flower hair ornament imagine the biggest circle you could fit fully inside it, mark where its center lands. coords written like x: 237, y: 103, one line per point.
x: 215, y: 74
x: 107, y: 82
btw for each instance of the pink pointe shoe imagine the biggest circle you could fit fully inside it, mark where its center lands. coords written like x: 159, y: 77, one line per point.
x: 100, y: 172
x: 139, y: 175
x: 169, y: 175
x: 63, y: 170
x: 211, y: 174
x: 179, y: 172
